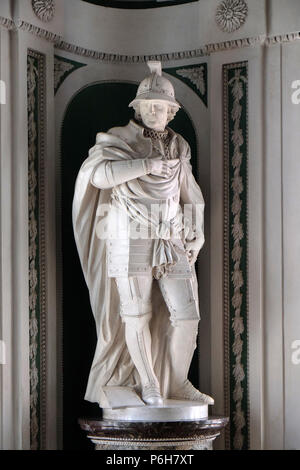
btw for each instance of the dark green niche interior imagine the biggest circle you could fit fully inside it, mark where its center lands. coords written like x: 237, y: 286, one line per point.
x: 95, y: 108
x: 138, y: 4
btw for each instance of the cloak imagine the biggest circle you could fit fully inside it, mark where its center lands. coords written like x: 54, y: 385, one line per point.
x: 112, y: 365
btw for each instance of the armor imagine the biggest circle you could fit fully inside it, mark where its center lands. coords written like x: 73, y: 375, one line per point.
x: 129, y: 253
x: 155, y: 87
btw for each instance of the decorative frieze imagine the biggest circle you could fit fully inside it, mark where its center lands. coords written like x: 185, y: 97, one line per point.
x: 107, y: 57
x: 40, y: 32
x: 235, y: 82
x: 36, y: 110
x: 7, y: 23
x: 202, y: 51
x: 282, y: 38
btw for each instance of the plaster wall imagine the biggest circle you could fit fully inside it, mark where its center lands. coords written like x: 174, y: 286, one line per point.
x: 152, y: 31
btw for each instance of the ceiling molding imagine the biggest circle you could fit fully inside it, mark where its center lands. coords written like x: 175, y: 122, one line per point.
x: 202, y: 51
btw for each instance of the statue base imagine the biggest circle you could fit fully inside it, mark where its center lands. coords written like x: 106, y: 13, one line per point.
x: 177, y: 435
x: 171, y: 410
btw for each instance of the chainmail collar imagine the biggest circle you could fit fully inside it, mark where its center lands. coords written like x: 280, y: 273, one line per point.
x: 163, y: 135
x: 147, y: 132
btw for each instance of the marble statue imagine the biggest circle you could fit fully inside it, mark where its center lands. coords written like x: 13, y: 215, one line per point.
x: 138, y: 225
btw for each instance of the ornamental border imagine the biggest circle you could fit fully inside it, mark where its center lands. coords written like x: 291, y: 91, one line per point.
x: 37, y: 248
x: 204, y: 50
x: 229, y: 400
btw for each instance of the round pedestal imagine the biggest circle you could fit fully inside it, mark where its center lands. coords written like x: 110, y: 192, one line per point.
x: 171, y: 410
x: 181, y: 435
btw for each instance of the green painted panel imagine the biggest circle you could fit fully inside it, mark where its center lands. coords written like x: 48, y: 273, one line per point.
x: 236, y: 252
x: 194, y: 76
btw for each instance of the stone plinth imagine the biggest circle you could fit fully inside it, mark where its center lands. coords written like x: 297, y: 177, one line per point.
x: 181, y: 435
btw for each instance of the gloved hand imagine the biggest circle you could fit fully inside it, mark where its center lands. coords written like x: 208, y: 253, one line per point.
x: 193, y: 247
x: 159, y: 167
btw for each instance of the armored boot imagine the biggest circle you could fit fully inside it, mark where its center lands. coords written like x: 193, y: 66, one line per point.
x: 138, y: 340
x: 183, y: 337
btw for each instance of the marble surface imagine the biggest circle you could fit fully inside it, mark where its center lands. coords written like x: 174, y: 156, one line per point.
x: 171, y: 410
x: 142, y: 283
x: 180, y: 435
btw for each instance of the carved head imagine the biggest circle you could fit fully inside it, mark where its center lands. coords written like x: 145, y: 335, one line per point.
x: 155, y: 102
x: 155, y: 114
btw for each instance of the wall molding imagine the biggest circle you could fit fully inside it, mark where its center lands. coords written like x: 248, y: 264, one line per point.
x: 282, y: 38
x: 36, y: 93
x: 35, y: 30
x: 107, y: 57
x: 202, y: 51
x: 235, y: 274
x: 7, y: 23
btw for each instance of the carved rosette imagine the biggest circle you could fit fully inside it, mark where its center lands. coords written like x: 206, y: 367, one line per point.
x: 231, y: 15
x: 44, y: 9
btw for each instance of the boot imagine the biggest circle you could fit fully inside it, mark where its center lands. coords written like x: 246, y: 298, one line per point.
x: 138, y: 340
x: 182, y: 345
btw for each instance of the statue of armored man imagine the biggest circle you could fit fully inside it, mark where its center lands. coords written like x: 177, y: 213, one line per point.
x: 138, y: 225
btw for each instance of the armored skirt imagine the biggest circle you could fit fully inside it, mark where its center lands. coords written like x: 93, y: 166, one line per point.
x: 135, y: 253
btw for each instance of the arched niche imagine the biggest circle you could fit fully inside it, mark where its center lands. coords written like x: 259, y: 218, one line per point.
x: 96, y: 107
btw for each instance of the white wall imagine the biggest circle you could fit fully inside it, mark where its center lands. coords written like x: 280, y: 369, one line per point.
x: 155, y: 30
x: 291, y: 245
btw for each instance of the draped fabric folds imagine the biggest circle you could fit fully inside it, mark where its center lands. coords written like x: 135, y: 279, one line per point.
x: 112, y: 364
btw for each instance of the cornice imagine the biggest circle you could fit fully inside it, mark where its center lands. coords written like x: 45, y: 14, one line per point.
x: 40, y: 32
x: 202, y: 51
x: 282, y: 38
x: 235, y: 44
x: 7, y: 23
x: 104, y: 56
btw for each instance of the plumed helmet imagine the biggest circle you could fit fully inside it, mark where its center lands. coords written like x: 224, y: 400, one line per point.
x: 155, y: 86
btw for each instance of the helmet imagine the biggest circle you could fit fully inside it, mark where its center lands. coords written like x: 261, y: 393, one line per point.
x: 155, y: 87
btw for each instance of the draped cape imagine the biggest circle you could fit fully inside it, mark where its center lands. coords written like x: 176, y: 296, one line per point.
x: 112, y: 365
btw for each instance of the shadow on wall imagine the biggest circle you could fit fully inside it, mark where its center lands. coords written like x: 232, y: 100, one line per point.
x: 95, y: 108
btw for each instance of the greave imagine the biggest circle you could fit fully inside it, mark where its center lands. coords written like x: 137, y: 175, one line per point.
x: 182, y: 347
x: 182, y: 344
x: 138, y: 340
